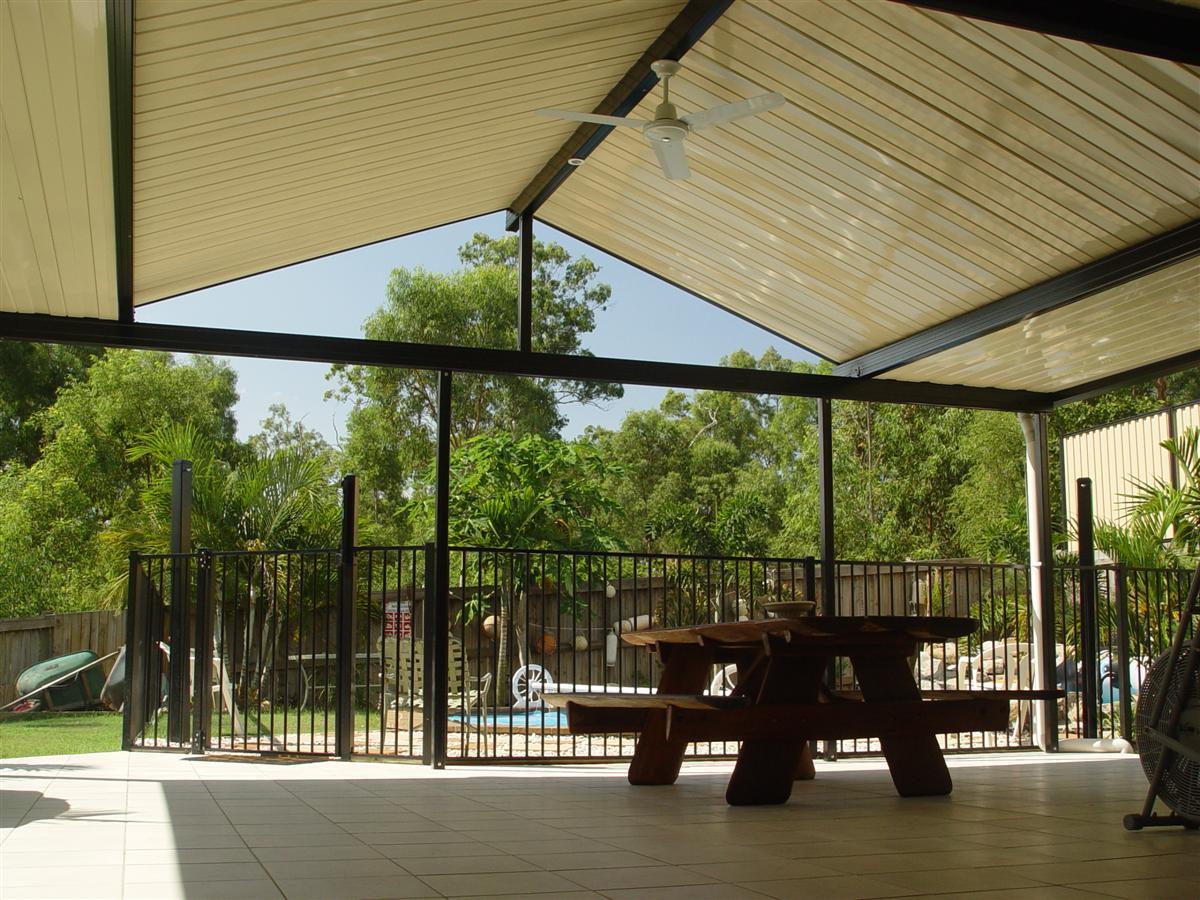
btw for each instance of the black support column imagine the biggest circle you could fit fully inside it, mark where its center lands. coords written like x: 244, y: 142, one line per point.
x: 525, y: 283
x: 1043, y: 572
x: 829, y: 580
x: 1088, y: 627
x: 178, y: 696
x: 346, y: 620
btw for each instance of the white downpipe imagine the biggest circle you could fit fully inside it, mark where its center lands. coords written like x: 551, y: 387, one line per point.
x: 1041, y: 731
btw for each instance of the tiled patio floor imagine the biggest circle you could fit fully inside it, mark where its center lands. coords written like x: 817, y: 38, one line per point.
x: 165, y: 826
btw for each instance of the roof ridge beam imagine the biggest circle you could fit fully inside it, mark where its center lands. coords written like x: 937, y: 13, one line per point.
x: 393, y: 354
x: 677, y: 39
x: 1168, y: 30
x: 1091, y: 278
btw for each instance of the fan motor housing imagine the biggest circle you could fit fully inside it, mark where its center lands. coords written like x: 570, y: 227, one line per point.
x: 665, y: 130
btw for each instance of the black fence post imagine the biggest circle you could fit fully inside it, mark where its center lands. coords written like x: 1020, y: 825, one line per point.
x: 1089, y: 638
x: 428, y: 639
x: 441, y: 598
x: 202, y: 686
x: 135, y: 663
x: 1125, y: 679
x: 810, y: 582
x: 347, y: 583
x: 178, y: 695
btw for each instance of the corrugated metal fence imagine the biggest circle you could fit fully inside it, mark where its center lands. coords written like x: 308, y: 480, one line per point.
x: 1118, y: 456
x: 24, y: 642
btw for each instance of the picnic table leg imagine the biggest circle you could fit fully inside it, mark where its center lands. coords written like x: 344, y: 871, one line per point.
x: 657, y: 759
x: 765, y: 770
x: 915, y: 760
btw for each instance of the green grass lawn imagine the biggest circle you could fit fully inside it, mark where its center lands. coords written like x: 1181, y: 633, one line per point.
x: 51, y: 733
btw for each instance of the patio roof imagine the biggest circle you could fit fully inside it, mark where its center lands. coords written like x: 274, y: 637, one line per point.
x: 942, y: 198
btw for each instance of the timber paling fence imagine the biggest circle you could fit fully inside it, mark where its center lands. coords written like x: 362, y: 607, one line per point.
x: 320, y: 652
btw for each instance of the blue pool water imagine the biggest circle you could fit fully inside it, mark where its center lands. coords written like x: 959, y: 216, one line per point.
x: 519, y: 719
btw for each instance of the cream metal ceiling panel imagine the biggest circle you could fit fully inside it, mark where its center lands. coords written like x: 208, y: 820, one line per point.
x: 923, y: 166
x: 57, y: 243
x: 1155, y: 317
x: 268, y: 133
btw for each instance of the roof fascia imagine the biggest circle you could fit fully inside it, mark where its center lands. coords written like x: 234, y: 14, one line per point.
x: 361, y: 351
x: 1115, y: 269
x: 677, y: 38
x: 1122, y: 379
x: 119, y: 19
x: 1159, y: 28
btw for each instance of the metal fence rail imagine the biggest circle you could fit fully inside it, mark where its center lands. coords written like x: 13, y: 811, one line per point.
x: 243, y: 651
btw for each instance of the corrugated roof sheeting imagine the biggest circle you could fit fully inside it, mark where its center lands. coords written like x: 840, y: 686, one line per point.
x: 57, y: 243
x: 270, y: 133
x: 1155, y: 317
x: 925, y: 165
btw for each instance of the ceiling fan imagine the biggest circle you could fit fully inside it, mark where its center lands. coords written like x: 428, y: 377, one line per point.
x: 668, y: 130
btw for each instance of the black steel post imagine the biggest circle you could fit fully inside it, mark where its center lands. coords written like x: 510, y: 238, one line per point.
x: 134, y: 660
x: 829, y: 579
x: 1045, y: 575
x: 178, y: 695
x: 202, y: 687
x: 440, y: 608
x: 347, y: 582
x: 525, y: 283
x: 1089, y: 638
x: 1123, y: 652
x: 428, y: 639
x: 810, y: 581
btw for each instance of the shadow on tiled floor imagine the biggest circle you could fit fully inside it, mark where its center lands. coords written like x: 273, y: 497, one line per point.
x: 165, y: 826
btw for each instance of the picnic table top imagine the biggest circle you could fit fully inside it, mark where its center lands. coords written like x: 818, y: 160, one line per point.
x: 924, y: 628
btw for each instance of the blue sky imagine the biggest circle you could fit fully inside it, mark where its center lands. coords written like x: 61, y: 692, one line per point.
x: 646, y: 319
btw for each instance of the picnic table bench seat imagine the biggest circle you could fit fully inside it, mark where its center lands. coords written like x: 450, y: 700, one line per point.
x: 781, y: 703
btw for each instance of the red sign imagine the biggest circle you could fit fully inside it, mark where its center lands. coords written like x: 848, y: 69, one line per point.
x: 397, y: 619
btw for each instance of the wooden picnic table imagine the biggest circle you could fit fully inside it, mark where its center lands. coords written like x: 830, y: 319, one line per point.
x: 780, y: 702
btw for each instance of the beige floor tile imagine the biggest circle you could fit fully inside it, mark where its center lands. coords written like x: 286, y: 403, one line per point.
x: 498, y: 884
x: 185, y: 872
x: 354, y: 888
x: 262, y: 889
x: 1148, y: 888
x: 763, y: 870
x: 98, y: 875
x: 945, y: 881
x: 402, y: 852
x: 348, y: 851
x: 1045, y: 892
x: 837, y: 887
x: 290, y: 869
x: 590, y: 859
x: 57, y: 890
x: 467, y: 865
x: 685, y: 892
x: 188, y: 855
x: 637, y: 877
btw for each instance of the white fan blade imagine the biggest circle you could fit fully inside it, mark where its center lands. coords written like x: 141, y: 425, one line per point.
x: 589, y: 117
x: 672, y: 159
x: 727, y: 112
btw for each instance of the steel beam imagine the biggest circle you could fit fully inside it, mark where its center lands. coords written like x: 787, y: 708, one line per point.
x: 678, y: 37
x: 1169, y: 30
x: 525, y: 284
x: 119, y: 16
x: 1113, y: 270
x: 1098, y: 386
x: 360, y: 351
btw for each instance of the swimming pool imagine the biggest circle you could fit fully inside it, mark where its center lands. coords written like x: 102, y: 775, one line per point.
x: 519, y: 719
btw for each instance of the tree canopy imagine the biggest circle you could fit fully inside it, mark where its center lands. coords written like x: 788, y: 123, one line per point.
x: 390, y: 431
